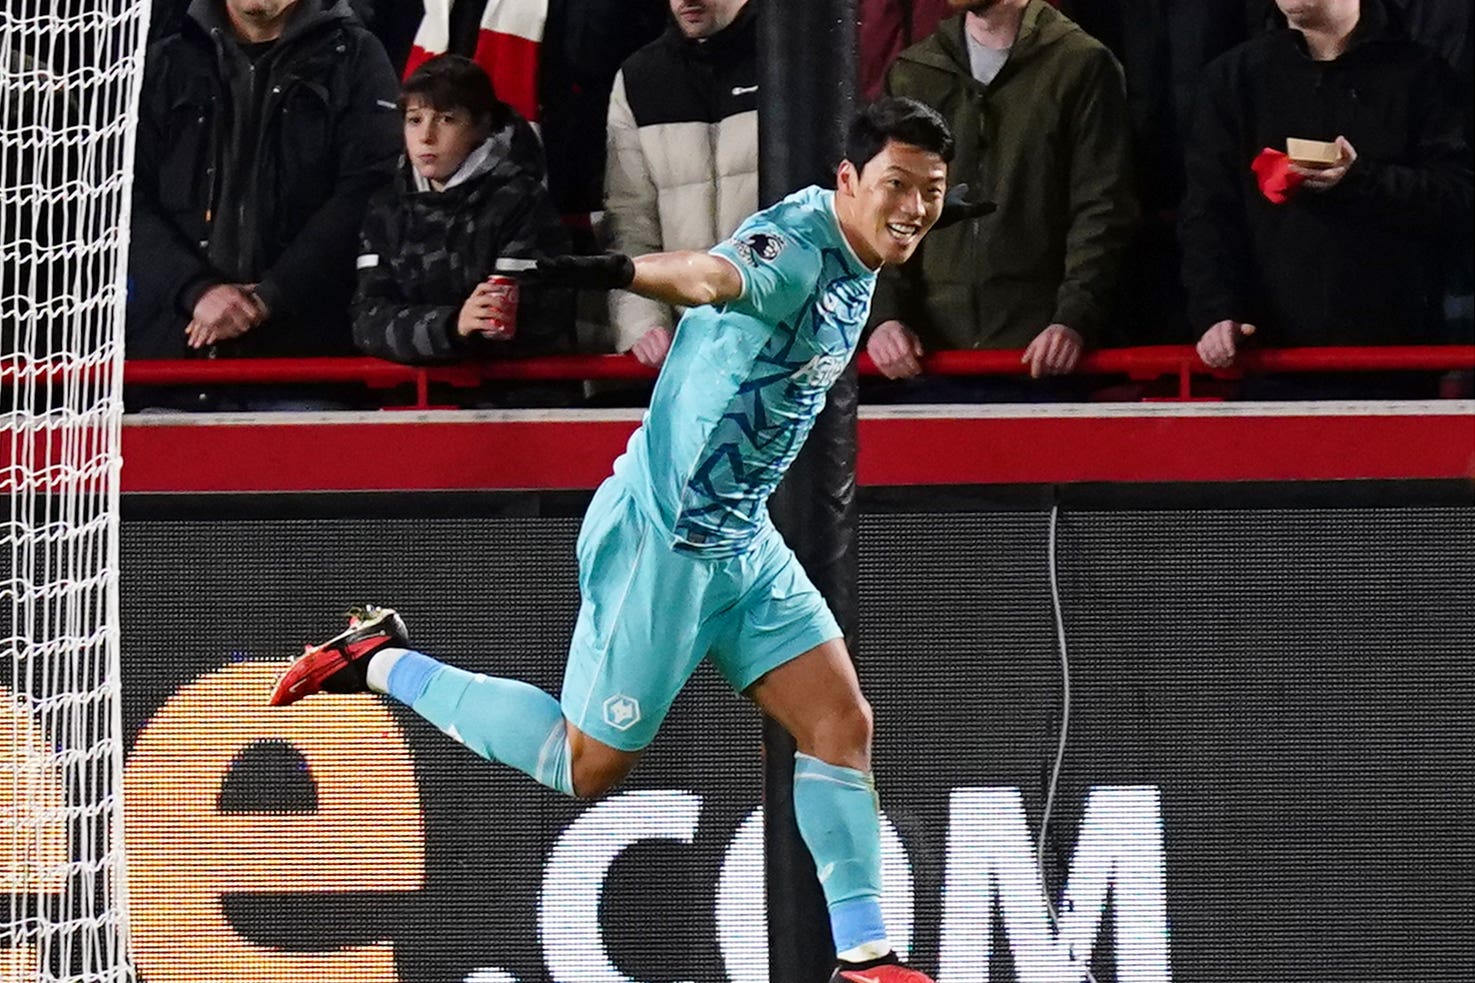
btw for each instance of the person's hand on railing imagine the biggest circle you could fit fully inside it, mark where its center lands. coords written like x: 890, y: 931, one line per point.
x: 896, y: 350
x: 651, y: 348
x: 1054, y: 351
x: 1220, y: 344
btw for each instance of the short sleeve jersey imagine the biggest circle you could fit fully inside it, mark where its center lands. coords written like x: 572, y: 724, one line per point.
x: 743, y: 382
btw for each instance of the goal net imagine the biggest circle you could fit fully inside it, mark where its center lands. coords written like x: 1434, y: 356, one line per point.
x: 69, y: 77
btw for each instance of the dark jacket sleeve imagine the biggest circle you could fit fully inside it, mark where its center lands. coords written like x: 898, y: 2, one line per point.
x: 1103, y: 204
x: 1431, y: 194
x: 1212, y: 227
x: 385, y: 323
x: 369, y: 143
x: 163, y: 264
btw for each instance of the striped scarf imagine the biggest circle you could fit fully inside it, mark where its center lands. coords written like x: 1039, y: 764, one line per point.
x: 507, y: 47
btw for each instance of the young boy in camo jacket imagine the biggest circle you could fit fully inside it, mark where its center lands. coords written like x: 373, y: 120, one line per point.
x: 468, y: 192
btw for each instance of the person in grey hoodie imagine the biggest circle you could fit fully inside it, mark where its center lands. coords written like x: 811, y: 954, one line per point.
x: 469, y: 192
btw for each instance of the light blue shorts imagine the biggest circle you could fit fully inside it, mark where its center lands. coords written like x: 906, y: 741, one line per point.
x: 650, y: 614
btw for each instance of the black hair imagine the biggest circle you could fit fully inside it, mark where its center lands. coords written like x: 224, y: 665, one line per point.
x: 453, y: 82
x: 903, y: 120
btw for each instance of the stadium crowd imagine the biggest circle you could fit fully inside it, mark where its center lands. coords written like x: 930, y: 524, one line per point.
x: 324, y: 177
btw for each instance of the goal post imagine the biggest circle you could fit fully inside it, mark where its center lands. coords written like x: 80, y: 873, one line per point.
x: 70, y: 73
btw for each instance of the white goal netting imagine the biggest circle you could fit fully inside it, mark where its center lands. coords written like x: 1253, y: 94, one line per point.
x: 69, y: 78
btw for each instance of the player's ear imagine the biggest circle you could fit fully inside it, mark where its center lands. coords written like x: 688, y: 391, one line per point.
x: 847, y: 178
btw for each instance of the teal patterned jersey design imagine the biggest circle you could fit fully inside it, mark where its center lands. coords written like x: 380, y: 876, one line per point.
x: 743, y: 382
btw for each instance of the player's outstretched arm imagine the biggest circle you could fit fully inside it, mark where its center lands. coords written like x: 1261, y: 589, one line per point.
x: 684, y: 279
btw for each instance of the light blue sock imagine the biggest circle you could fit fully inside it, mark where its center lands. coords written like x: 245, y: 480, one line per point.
x: 500, y: 719
x: 840, y: 821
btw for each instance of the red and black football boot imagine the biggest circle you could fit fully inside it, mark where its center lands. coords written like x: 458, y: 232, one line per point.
x: 341, y: 664
x: 886, y: 970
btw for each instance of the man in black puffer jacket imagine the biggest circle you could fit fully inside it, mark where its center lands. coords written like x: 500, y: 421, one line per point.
x: 470, y: 192
x: 264, y: 128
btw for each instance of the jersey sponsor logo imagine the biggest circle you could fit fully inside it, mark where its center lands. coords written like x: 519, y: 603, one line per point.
x: 821, y: 370
x: 759, y: 245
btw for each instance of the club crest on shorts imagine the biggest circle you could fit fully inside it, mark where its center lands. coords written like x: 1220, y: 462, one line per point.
x: 759, y: 245
x: 622, y: 712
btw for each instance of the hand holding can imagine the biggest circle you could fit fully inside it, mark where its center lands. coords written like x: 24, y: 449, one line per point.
x: 501, y: 297
x: 491, y: 310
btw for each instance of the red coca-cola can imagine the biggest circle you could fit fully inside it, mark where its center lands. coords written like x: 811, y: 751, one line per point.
x: 502, y: 322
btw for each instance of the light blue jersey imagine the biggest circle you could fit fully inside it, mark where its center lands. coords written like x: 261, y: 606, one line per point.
x: 743, y: 382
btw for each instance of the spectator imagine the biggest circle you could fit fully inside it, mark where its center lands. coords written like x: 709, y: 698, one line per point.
x: 682, y: 165
x: 1444, y: 25
x: 1039, y: 110
x: 264, y: 127
x: 554, y: 62
x: 888, y: 27
x: 469, y: 192
x: 1353, y: 255
x: 166, y: 17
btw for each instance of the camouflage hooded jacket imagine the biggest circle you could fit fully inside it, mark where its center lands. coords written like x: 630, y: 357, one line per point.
x: 422, y: 252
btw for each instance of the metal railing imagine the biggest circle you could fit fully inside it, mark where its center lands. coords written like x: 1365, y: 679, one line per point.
x: 1146, y: 364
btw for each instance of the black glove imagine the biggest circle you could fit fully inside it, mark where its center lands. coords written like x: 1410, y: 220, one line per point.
x: 956, y: 207
x: 608, y: 271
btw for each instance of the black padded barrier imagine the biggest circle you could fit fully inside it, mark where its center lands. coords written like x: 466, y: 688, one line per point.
x: 1267, y: 776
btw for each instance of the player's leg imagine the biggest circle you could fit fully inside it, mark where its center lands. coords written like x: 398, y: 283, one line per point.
x: 787, y: 654
x: 502, y: 720
x: 816, y: 698
x: 637, y: 640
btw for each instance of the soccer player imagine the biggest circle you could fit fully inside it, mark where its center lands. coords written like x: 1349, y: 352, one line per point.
x: 678, y: 558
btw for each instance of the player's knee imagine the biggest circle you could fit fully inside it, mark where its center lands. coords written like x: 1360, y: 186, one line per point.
x: 842, y: 736
x: 595, y: 775
x: 857, y: 725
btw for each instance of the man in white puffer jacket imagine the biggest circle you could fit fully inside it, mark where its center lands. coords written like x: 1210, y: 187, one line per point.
x: 682, y: 165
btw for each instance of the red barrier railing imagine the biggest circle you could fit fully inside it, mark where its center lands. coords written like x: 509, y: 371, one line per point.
x: 1144, y: 364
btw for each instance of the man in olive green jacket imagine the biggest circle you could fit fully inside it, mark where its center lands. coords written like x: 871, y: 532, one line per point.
x: 1039, y: 112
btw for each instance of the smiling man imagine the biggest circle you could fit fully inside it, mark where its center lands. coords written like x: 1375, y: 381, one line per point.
x: 678, y: 558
